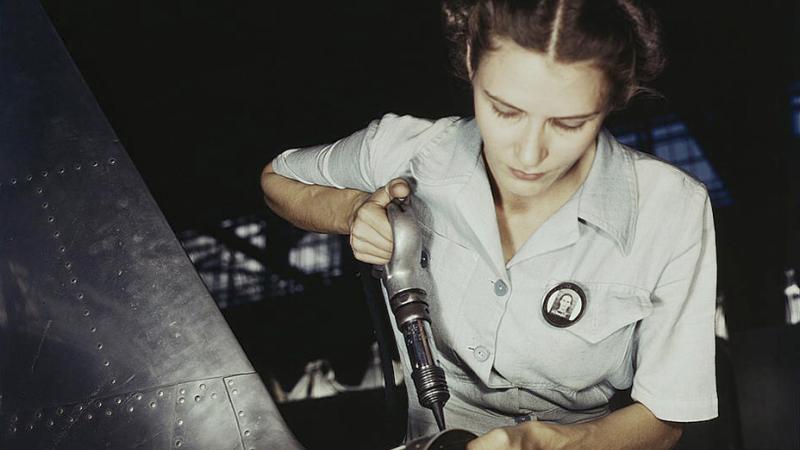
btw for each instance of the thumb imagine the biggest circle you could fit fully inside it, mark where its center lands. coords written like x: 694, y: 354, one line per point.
x: 397, y: 188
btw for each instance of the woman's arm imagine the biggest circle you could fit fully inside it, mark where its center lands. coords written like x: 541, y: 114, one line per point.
x: 630, y: 428
x: 343, y: 211
x: 310, y: 207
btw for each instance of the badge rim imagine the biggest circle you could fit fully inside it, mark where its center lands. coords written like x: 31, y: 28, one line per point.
x: 581, y: 295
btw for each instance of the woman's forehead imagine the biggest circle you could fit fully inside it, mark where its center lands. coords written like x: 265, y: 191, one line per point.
x: 535, y: 83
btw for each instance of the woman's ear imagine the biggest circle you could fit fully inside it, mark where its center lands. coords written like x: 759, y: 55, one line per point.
x: 468, y: 62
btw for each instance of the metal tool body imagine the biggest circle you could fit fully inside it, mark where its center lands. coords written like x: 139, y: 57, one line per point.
x: 409, y: 285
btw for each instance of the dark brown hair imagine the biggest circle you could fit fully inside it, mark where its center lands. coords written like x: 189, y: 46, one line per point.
x: 620, y: 36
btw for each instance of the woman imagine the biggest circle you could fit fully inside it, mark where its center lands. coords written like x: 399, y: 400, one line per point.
x: 533, y: 202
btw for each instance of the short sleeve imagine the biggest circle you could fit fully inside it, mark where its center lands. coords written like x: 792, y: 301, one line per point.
x: 365, y: 160
x: 674, y: 360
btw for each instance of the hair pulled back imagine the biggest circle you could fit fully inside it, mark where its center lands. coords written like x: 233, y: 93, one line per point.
x: 620, y: 36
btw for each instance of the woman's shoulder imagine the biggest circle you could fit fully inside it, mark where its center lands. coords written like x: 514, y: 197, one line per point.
x: 395, y: 128
x: 439, y: 149
x: 658, y: 178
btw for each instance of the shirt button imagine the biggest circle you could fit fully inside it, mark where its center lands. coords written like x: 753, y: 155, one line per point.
x: 481, y: 353
x: 500, y: 288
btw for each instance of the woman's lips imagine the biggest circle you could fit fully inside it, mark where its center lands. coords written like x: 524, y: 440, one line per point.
x: 526, y: 176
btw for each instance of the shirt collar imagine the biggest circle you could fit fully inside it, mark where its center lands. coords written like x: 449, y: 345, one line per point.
x: 609, y: 198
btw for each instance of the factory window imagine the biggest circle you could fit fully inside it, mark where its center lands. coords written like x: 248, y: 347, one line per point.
x: 240, y: 263
x: 669, y: 139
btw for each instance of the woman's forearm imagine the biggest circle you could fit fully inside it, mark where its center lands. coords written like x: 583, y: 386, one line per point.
x: 630, y: 428
x: 310, y: 207
x: 633, y: 427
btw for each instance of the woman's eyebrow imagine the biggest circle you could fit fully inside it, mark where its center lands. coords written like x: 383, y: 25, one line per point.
x: 578, y: 117
x: 501, y: 101
x: 509, y: 105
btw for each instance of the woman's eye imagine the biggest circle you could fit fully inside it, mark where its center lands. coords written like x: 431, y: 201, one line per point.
x: 505, y: 114
x: 568, y: 126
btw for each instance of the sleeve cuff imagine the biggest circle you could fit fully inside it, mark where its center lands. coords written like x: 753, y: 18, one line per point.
x: 695, y: 410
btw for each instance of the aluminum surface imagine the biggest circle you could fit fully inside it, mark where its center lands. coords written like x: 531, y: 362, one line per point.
x: 108, y: 338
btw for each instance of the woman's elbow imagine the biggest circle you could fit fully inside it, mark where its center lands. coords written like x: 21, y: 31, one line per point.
x: 674, y: 431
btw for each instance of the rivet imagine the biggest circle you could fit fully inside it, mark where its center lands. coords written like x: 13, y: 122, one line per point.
x: 181, y: 400
x: 61, y: 170
x: 38, y: 415
x: 60, y: 411
x: 180, y: 422
x: 79, y: 407
x: 77, y: 167
x: 13, y: 181
x: 203, y: 387
x: 80, y: 295
x: 152, y: 404
x: 118, y: 401
x: 247, y: 432
x: 106, y: 363
x: 112, y: 161
x: 138, y: 396
x: 213, y: 395
x: 160, y: 393
x: 50, y: 423
x: 241, y: 413
x: 93, y: 329
x: 89, y: 416
x: 30, y: 427
x: 56, y: 234
x: 108, y: 412
x: 198, y: 398
x: 67, y: 265
x: 13, y: 429
x: 14, y: 418
x: 51, y: 219
x: 178, y: 443
x: 113, y: 381
x: 71, y: 419
x: 235, y: 391
x: 230, y: 382
x: 99, y: 346
x: 29, y: 177
x: 86, y: 313
x: 44, y: 174
x: 94, y: 164
x: 182, y: 391
x: 119, y: 273
x: 73, y: 281
x: 39, y: 190
x: 61, y: 249
x: 99, y: 404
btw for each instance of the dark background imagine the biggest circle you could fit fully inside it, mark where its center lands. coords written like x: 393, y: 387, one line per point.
x: 203, y: 94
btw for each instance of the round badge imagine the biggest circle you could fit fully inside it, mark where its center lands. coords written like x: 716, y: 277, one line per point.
x: 564, y: 305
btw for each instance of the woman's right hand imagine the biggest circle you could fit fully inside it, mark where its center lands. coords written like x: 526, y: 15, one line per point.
x: 370, y: 232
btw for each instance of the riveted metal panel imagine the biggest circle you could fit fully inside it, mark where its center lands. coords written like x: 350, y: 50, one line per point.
x: 103, y: 320
x: 260, y: 424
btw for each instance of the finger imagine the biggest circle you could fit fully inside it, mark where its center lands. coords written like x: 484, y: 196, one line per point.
x: 370, y: 259
x: 367, y: 248
x: 373, y: 226
x: 398, y: 188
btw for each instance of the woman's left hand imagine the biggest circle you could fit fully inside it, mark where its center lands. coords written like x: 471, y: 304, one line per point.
x: 526, y: 436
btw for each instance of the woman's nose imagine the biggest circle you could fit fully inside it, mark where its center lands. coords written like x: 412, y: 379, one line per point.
x: 532, y: 148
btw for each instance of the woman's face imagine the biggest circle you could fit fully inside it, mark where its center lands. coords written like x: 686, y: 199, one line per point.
x: 537, y: 117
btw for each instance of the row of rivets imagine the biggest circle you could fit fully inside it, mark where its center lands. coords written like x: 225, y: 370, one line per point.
x: 60, y: 170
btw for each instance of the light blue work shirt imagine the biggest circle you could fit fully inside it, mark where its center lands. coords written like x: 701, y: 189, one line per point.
x: 637, y: 237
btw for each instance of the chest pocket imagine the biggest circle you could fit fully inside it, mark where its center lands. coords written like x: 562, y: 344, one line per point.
x: 609, y: 309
